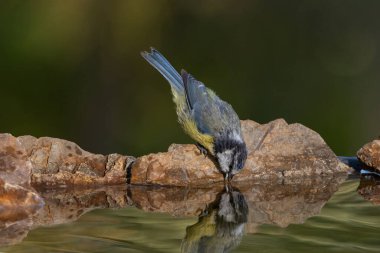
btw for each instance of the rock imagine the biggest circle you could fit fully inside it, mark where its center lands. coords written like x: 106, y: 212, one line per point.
x: 52, y: 162
x: 15, y: 167
x: 17, y: 198
x: 57, y: 163
x: 369, y: 154
x: 18, y: 201
x: 276, y: 150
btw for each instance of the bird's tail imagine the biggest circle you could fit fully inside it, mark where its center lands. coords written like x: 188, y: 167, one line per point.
x: 159, y: 62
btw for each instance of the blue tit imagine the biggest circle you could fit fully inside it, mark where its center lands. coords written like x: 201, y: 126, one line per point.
x: 210, y: 121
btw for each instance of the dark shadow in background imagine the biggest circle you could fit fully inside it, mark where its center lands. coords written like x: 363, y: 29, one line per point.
x: 72, y: 69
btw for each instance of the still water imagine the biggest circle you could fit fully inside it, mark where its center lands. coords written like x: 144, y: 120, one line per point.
x: 319, y: 216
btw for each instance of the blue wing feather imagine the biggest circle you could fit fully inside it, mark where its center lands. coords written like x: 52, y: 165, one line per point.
x: 159, y: 62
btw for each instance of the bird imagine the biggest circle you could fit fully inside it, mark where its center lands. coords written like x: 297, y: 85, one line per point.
x: 206, y: 118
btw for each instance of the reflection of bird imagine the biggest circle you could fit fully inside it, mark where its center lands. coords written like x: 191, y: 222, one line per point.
x: 204, y: 116
x: 220, y: 228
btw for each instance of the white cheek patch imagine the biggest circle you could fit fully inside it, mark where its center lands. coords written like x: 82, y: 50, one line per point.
x: 224, y: 159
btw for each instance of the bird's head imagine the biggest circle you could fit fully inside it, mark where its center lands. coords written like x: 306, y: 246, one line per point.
x: 231, y: 155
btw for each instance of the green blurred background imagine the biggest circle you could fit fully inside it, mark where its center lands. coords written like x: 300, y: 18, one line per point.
x: 72, y: 68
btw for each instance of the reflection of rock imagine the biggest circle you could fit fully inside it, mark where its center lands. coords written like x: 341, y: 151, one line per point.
x: 177, y: 201
x: 62, y: 206
x: 17, y: 205
x: 288, y: 203
x: 276, y: 150
x: 370, y: 154
x: 369, y: 188
x: 220, y: 227
x: 14, y: 232
x: 270, y: 202
x: 16, y: 202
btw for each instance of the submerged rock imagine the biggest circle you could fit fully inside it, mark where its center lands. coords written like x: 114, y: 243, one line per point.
x: 370, y: 154
x: 275, y: 150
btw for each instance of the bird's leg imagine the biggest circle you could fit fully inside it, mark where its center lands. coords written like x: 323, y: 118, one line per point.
x: 226, y: 179
x: 204, y: 212
x: 202, y: 149
x: 227, y: 183
x: 227, y: 188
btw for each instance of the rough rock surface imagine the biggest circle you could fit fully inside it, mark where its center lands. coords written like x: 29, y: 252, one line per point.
x: 57, y: 162
x: 15, y: 167
x: 17, y: 198
x: 369, y: 154
x: 275, y: 150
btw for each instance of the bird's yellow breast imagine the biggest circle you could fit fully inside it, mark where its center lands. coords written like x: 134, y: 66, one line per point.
x: 205, y: 140
x: 189, y: 125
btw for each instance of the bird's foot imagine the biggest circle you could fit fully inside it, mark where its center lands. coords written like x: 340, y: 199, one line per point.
x: 204, y: 212
x: 202, y: 149
x: 227, y: 181
x: 228, y: 177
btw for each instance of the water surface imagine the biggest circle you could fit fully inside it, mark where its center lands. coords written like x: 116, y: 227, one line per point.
x: 346, y: 223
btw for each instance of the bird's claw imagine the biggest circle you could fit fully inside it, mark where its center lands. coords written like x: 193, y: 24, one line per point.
x: 227, y: 181
x: 202, y: 149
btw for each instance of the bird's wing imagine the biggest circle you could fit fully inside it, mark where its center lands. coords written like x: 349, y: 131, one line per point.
x: 211, y: 114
